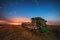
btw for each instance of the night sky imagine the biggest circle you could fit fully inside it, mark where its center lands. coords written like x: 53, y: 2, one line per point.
x: 47, y: 9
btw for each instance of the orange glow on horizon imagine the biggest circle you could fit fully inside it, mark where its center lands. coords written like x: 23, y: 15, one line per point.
x: 19, y: 20
x: 14, y: 23
x: 3, y: 21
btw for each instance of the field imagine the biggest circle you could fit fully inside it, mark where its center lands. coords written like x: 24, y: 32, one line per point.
x: 55, y: 30
x: 10, y: 32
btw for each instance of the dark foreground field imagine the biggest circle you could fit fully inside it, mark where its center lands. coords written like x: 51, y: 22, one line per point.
x: 20, y: 33
x: 55, y: 30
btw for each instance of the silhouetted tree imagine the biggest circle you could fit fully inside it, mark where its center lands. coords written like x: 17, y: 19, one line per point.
x: 39, y: 22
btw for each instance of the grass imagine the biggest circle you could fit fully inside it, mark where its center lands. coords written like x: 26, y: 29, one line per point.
x: 11, y: 32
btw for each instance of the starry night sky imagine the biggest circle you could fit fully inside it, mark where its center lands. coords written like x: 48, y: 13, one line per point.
x: 47, y: 9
